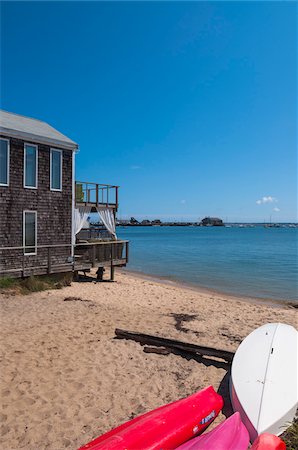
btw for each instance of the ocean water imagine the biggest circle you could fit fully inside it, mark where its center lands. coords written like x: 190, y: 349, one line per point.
x: 256, y: 262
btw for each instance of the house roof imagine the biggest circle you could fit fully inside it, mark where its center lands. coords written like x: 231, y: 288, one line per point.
x: 14, y: 125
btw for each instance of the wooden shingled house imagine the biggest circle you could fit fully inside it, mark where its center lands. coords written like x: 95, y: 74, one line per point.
x: 43, y: 209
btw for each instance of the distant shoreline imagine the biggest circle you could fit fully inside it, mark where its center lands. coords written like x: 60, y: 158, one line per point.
x: 201, y: 289
x: 226, y: 225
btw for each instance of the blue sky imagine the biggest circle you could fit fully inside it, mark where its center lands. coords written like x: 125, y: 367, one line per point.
x: 190, y: 107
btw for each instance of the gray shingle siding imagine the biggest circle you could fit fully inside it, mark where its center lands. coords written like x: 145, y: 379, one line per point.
x: 54, y: 209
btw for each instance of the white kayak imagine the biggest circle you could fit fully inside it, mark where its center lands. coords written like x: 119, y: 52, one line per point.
x: 264, y: 383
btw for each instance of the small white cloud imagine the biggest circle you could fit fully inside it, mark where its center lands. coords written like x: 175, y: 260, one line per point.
x: 267, y: 199
x: 183, y: 202
x: 135, y: 167
x: 276, y: 209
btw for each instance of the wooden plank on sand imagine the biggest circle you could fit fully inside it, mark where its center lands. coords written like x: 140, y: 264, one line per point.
x: 146, y: 339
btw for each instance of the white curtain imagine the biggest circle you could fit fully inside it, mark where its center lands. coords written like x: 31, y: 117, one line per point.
x: 107, y: 217
x: 80, y: 216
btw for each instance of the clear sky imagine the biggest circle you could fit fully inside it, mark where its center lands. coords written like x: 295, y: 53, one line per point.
x: 190, y: 107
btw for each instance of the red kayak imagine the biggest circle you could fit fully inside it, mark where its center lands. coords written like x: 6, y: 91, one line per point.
x: 268, y: 441
x: 166, y: 427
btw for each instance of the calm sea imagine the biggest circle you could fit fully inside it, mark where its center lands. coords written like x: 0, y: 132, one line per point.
x: 257, y: 262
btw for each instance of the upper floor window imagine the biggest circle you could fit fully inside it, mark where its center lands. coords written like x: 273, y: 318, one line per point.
x: 56, y: 170
x: 4, y: 162
x: 30, y: 166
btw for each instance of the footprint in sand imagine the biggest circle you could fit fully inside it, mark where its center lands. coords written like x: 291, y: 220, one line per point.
x: 5, y: 393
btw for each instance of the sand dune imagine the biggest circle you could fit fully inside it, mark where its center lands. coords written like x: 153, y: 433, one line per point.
x: 65, y: 380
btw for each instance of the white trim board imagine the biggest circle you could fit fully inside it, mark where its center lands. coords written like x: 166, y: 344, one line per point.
x: 8, y: 161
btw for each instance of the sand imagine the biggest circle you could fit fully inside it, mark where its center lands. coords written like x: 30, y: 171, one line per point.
x: 66, y: 380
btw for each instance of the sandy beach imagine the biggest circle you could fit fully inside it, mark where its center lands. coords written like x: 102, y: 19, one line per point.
x: 66, y: 380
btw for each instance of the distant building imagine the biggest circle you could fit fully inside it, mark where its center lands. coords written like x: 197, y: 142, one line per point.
x: 122, y: 222
x: 212, y: 222
x: 134, y: 221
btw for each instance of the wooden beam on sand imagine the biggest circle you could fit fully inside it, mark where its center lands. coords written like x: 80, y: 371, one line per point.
x: 146, y: 339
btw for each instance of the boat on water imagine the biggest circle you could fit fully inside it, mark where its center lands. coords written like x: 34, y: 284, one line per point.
x: 263, y: 383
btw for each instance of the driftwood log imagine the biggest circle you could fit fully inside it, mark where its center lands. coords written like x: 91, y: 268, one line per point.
x: 157, y: 350
x: 156, y: 341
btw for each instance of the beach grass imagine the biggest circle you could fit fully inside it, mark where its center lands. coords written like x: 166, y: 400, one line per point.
x: 35, y: 283
x: 7, y: 282
x: 290, y: 436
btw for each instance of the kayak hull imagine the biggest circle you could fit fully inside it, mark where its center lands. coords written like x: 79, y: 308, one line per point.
x: 268, y: 441
x: 228, y: 435
x: 166, y: 427
x: 263, y: 383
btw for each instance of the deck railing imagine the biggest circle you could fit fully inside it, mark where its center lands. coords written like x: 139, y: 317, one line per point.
x: 96, y: 194
x: 45, y: 259
x: 101, y: 252
x: 57, y: 258
x: 93, y: 232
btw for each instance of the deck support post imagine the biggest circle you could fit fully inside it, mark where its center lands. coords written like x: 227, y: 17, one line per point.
x: 93, y: 256
x: 112, y: 266
x: 112, y: 272
x: 126, y: 251
x: 49, y: 261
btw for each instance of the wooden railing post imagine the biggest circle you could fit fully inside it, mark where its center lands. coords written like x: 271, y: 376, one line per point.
x: 96, y: 194
x: 116, y: 200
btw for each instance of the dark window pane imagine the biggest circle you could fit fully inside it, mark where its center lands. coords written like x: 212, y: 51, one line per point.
x: 30, y: 166
x: 3, y: 162
x: 30, y: 227
x: 56, y: 170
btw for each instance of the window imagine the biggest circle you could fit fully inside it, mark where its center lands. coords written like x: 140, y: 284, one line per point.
x: 56, y: 170
x: 30, y: 166
x: 29, y: 232
x: 4, y: 162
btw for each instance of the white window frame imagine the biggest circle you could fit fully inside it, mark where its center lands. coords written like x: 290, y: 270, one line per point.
x: 8, y: 161
x: 61, y: 162
x: 24, y: 233
x: 36, y: 165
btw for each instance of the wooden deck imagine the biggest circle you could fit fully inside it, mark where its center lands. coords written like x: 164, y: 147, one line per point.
x: 95, y: 194
x: 101, y: 254
x: 47, y: 260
